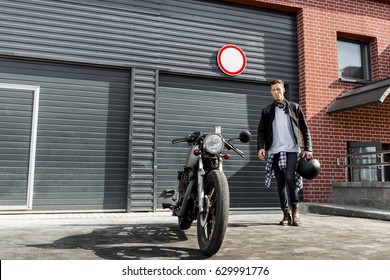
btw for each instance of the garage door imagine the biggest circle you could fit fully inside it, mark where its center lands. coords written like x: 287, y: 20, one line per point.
x: 18, y: 116
x: 187, y: 104
x: 81, y: 155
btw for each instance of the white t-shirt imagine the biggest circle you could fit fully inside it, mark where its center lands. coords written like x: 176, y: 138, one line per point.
x: 283, y: 136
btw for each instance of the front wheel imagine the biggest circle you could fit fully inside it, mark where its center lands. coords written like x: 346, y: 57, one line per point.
x: 212, y: 223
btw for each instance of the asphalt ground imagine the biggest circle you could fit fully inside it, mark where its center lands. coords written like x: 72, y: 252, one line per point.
x: 326, y: 233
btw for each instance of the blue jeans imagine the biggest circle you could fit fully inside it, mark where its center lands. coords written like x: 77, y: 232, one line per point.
x: 285, y: 181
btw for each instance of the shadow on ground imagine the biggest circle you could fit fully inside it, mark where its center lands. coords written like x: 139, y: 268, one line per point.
x: 131, y: 242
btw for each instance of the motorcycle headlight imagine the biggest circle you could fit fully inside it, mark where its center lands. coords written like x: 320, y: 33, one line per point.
x: 213, y: 143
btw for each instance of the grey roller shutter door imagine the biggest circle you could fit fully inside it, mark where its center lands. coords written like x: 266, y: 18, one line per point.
x: 16, y: 122
x: 82, y: 138
x: 187, y: 104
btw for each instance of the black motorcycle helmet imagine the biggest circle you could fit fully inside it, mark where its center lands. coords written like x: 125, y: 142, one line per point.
x: 308, y: 169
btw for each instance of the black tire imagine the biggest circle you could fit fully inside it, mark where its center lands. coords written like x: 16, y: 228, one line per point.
x: 212, y: 224
x: 185, y: 223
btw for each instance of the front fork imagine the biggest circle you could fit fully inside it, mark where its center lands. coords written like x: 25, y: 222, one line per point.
x: 201, y: 176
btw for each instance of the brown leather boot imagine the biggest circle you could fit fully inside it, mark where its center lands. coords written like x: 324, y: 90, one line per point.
x: 286, y: 217
x: 295, y: 216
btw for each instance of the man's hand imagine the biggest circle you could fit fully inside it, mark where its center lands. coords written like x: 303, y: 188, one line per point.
x: 261, y: 154
x: 307, y: 154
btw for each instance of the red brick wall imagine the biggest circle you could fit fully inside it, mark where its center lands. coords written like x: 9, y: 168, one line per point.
x: 319, y: 23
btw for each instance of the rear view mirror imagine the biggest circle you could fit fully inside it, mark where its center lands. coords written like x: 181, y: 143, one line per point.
x: 245, y: 136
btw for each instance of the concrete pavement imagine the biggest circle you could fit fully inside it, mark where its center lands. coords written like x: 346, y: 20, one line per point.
x: 327, y: 233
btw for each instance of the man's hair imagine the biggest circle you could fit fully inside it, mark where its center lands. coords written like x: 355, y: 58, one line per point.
x: 274, y: 82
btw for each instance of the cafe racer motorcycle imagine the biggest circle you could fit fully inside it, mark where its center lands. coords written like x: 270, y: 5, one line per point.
x: 202, y: 191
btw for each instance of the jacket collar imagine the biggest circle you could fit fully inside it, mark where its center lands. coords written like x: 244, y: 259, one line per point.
x: 286, y: 106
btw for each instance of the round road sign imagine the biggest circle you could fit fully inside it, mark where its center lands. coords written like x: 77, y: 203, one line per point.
x: 231, y: 60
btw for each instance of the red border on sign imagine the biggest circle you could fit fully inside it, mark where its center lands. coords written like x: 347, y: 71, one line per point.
x: 220, y: 63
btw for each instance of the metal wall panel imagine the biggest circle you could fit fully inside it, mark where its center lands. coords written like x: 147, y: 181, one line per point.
x: 82, y: 139
x: 142, y: 142
x: 104, y: 32
x: 192, y: 32
x: 180, y: 36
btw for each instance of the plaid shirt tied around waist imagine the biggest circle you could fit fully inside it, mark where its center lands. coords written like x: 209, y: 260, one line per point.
x: 269, y: 172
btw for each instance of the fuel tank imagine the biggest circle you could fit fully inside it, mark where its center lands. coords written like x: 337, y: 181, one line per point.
x: 191, y: 158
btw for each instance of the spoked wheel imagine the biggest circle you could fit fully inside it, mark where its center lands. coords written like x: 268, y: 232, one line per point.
x: 212, y: 223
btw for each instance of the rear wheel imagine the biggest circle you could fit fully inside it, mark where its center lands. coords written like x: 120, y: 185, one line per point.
x: 212, y: 223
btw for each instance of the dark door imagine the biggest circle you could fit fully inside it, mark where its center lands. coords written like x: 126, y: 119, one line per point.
x: 188, y: 104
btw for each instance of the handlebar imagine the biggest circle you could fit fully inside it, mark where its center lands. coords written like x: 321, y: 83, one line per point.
x: 191, y: 138
x: 231, y: 147
x: 179, y: 140
x: 195, y: 136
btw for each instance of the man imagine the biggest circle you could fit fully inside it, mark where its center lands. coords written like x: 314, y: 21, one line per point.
x: 282, y: 128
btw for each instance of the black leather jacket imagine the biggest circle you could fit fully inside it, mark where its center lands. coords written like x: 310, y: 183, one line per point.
x: 298, y: 123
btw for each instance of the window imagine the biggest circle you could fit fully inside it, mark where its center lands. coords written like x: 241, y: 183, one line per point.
x: 366, y: 155
x: 354, y: 61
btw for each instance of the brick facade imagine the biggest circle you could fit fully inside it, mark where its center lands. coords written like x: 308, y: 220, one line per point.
x: 319, y: 25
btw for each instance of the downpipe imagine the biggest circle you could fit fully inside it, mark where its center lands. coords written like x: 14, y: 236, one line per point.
x: 185, y: 199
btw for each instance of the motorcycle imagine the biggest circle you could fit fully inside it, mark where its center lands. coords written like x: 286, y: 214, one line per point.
x: 202, y: 191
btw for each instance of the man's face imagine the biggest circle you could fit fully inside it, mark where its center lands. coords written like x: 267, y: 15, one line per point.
x: 277, y: 91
